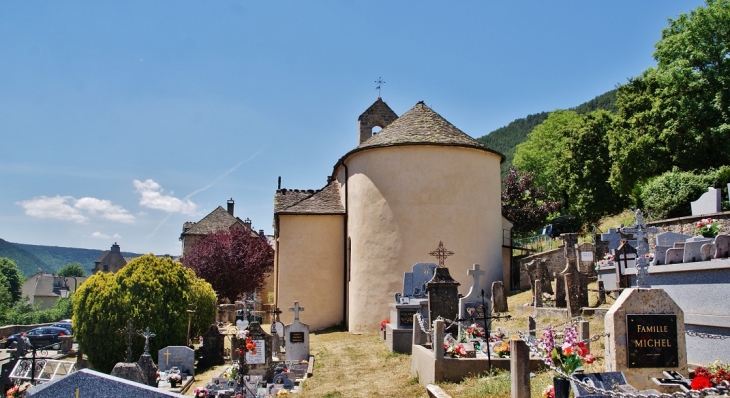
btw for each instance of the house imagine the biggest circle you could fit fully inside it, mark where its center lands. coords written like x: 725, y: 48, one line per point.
x: 46, y: 289
x: 110, y: 260
x: 342, y: 250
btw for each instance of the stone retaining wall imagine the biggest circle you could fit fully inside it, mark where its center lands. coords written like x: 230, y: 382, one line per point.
x: 13, y: 329
x: 686, y: 225
x: 555, y: 260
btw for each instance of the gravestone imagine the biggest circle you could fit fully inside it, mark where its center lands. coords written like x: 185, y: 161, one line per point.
x: 176, y: 355
x: 211, y: 352
x: 472, y: 307
x: 129, y: 371
x: 297, y: 337
x: 277, y: 334
x: 646, y: 336
x: 709, y: 202
x: 708, y: 251
x: 576, y: 289
x: 414, y: 283
x: 668, y: 238
x: 586, y: 255
x: 625, y: 257
x: 537, y: 294
x: 569, y: 242
x: 499, y: 297
x: 89, y: 383
x: 399, y: 331
x: 149, y: 369
x: 692, y: 247
x: 675, y: 255
x: 259, y: 363
x: 613, y: 238
x: 537, y: 270
x: 443, y: 295
x: 722, y: 245
x: 560, y: 291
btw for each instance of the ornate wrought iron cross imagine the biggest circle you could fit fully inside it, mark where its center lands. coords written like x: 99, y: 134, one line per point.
x: 380, y: 83
x: 129, y: 331
x: 146, y: 334
x: 441, y: 253
x: 642, y: 263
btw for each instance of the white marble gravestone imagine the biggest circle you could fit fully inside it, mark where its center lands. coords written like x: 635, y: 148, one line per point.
x: 710, y: 202
x: 474, y: 305
x: 297, y: 337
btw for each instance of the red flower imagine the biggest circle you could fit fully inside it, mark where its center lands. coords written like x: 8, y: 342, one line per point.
x: 700, y: 382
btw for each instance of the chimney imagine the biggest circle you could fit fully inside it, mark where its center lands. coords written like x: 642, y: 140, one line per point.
x: 115, y: 248
x: 247, y: 223
x: 230, y: 206
x: 261, y: 233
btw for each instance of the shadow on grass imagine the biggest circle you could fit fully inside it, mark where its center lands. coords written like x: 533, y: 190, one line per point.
x: 332, y: 329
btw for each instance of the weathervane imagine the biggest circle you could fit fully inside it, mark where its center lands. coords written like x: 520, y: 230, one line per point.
x: 380, y: 82
x: 441, y: 253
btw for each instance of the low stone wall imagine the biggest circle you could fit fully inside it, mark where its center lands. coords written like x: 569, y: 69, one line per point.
x: 554, y: 259
x: 686, y: 225
x: 13, y: 329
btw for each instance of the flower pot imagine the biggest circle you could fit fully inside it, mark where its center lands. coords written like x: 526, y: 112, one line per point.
x: 562, y: 387
x: 173, y: 383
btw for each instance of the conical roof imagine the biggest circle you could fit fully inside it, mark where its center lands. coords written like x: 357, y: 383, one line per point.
x: 420, y: 126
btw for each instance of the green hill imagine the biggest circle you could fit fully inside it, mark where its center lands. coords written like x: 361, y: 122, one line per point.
x: 505, y: 139
x: 31, y: 258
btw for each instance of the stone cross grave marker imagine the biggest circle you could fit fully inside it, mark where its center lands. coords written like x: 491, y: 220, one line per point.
x: 569, y: 242
x: 443, y: 295
x: 576, y: 289
x: 177, y: 355
x: 211, y: 352
x: 297, y: 337
x: 642, y: 263
x: 129, y: 331
x: 646, y: 336
x: 277, y: 333
x: 472, y: 306
x: 537, y: 271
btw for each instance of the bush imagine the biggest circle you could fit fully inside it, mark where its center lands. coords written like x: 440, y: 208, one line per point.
x: 24, y: 313
x: 669, y: 195
x: 150, y: 291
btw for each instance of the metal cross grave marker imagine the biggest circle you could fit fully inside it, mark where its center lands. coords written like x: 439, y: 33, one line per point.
x: 642, y: 263
x: 441, y: 253
x: 146, y: 334
x: 129, y: 331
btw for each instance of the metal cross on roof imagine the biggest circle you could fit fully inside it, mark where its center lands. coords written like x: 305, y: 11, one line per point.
x: 146, y: 334
x: 642, y: 263
x: 380, y: 82
x: 129, y: 331
x: 441, y: 253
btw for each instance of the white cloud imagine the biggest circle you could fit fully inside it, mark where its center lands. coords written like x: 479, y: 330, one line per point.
x: 68, y: 208
x: 57, y: 207
x: 105, y: 209
x: 100, y: 235
x: 153, y: 198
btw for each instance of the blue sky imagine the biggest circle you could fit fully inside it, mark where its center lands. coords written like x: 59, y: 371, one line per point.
x: 119, y: 121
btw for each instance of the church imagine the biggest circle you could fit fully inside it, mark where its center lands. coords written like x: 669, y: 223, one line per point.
x: 342, y: 250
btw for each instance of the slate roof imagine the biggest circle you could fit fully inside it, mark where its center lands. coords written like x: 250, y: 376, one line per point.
x: 323, y: 201
x: 420, y: 126
x: 217, y: 220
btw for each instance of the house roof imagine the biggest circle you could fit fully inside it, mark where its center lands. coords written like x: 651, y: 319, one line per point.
x: 420, y: 126
x: 48, y: 285
x: 217, y: 220
x: 324, y: 201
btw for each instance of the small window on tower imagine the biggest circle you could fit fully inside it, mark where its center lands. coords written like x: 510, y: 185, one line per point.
x: 376, y: 129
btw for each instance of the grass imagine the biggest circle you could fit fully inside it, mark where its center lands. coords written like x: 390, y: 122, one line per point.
x: 348, y: 365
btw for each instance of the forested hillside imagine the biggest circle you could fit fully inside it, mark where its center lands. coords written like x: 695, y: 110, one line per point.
x: 505, y: 139
x: 31, y: 258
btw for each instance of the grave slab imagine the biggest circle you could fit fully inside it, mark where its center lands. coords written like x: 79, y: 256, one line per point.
x: 91, y: 384
x: 692, y: 247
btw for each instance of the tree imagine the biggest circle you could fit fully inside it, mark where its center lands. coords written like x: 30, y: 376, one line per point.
x: 13, y: 278
x: 152, y: 292
x: 524, y: 203
x: 588, y: 170
x: 545, y: 152
x: 677, y: 114
x: 72, y: 269
x: 233, y: 261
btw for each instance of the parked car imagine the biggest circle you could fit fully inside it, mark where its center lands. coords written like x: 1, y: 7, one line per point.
x: 560, y: 225
x: 40, y: 337
x: 65, y: 325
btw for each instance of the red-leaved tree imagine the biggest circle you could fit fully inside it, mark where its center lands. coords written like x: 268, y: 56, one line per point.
x: 233, y: 261
x: 525, y: 203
